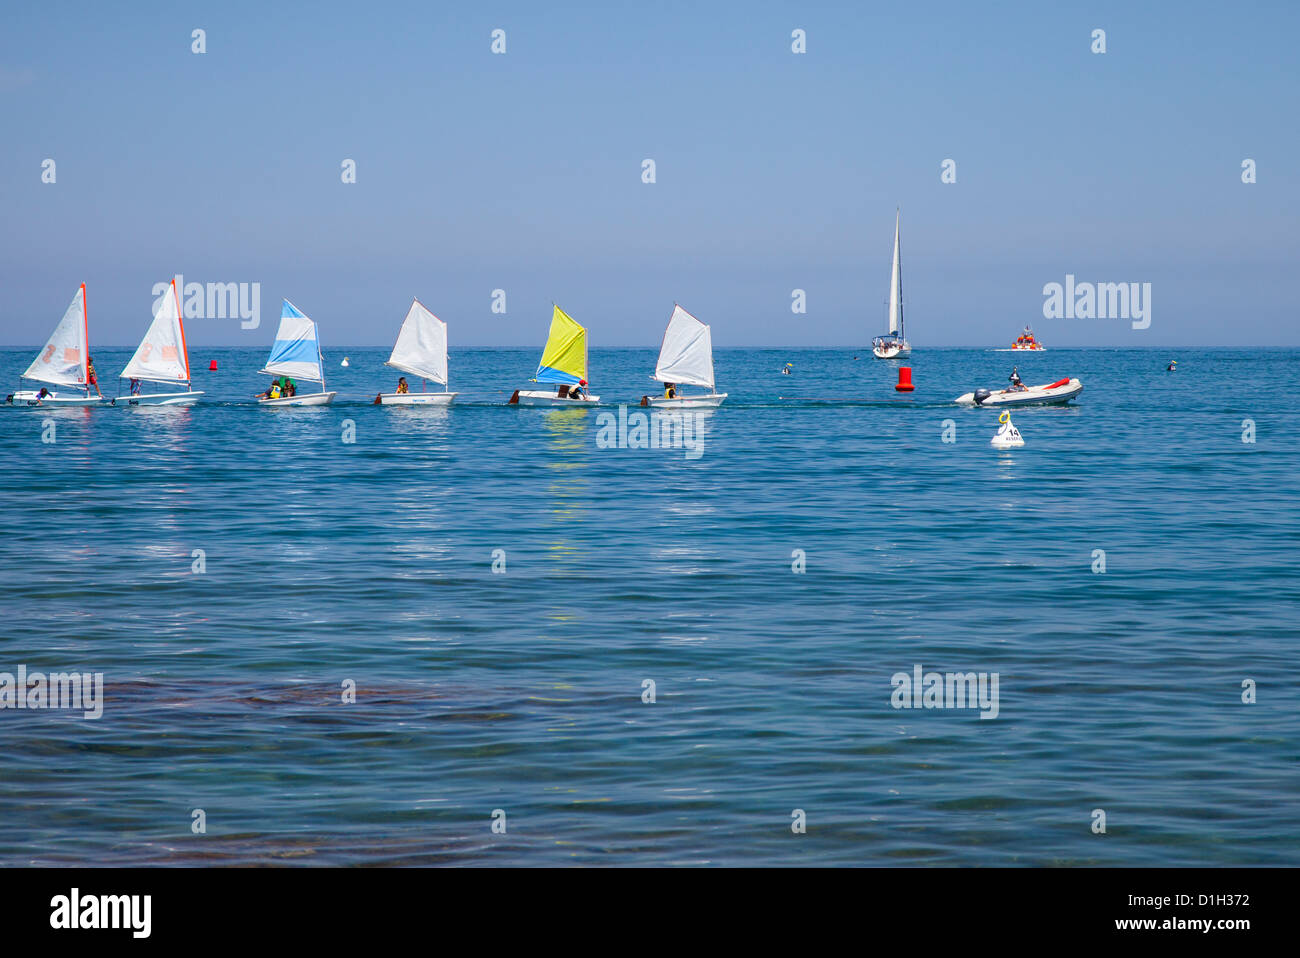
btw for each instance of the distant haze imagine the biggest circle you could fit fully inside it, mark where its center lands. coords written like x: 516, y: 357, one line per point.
x: 774, y: 170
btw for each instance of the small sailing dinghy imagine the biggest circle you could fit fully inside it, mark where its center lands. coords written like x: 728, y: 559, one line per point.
x: 296, y: 355
x: 421, y: 350
x: 685, y: 359
x: 1061, y: 391
x: 564, y: 362
x: 894, y: 344
x: 63, y: 362
x: 161, y: 358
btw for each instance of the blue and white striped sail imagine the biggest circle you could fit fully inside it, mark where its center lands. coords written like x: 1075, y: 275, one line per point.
x: 296, y: 352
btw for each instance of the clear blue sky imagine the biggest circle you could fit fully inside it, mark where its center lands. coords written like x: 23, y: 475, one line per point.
x: 775, y: 171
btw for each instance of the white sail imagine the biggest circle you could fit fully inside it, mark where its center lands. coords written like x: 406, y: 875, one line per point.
x: 161, y: 356
x: 421, y: 347
x: 686, y: 356
x: 896, y: 289
x: 63, y: 360
x: 296, y: 352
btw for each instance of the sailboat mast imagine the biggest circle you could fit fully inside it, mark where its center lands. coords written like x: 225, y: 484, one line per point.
x: 898, y: 261
x: 895, y: 289
x: 180, y: 325
x: 85, y: 340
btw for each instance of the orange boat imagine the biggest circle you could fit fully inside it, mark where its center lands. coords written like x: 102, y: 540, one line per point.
x: 1025, y: 341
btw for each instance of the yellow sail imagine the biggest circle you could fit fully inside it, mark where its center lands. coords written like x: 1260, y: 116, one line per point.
x: 564, y: 360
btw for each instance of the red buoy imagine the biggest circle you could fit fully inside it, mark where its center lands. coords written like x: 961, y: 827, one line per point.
x: 212, y: 366
x: 904, y: 379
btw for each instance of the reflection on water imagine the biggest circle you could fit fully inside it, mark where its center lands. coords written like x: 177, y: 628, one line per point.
x: 419, y: 521
x: 163, y: 429
x: 679, y: 560
x: 1006, y: 463
x: 569, y: 490
x: 426, y: 420
x: 566, y: 431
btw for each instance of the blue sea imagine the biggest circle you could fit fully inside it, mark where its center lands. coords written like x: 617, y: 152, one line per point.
x: 1129, y: 575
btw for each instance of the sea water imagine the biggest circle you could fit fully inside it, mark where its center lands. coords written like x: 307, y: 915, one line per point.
x: 365, y: 634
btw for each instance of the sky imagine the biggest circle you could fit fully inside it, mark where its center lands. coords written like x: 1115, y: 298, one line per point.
x: 774, y: 171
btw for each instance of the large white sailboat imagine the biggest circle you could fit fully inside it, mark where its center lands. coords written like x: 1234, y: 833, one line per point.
x: 296, y: 355
x: 161, y: 358
x: 685, y: 359
x: 63, y: 362
x: 564, y: 362
x: 894, y: 344
x: 420, y: 350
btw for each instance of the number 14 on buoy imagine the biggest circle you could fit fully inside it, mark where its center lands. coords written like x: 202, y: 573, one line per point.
x: 1008, y: 435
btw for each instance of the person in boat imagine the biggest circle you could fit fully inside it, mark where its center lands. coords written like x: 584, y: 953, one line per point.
x: 135, y: 387
x: 576, y: 392
x: 1016, y: 385
x: 91, y: 378
x: 1173, y: 363
x: 402, y: 388
x: 670, y: 390
x: 273, y: 390
x: 42, y: 394
x: 290, y: 387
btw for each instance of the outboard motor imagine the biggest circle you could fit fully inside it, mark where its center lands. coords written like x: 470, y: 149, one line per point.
x: 981, y: 395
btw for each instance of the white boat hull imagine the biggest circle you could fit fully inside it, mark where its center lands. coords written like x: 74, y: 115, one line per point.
x: 711, y: 401
x: 159, y: 399
x: 416, y: 399
x: 29, y: 397
x: 311, y: 399
x: 1033, y: 396
x: 547, y: 397
x: 891, y: 352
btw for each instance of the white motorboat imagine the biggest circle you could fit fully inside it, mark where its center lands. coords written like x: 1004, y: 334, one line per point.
x: 296, y: 355
x: 894, y: 344
x: 63, y: 361
x: 161, y: 358
x: 420, y: 350
x: 1061, y: 391
x: 685, y: 359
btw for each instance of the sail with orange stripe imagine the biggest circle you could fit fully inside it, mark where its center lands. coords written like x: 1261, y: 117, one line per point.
x: 161, y: 356
x: 63, y: 359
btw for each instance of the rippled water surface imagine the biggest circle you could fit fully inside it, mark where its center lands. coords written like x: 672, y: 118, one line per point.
x: 372, y: 561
